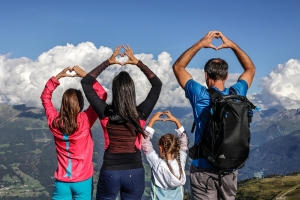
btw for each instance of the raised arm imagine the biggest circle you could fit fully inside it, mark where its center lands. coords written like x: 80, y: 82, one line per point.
x: 180, y: 64
x: 46, y: 95
x: 244, y: 59
x: 148, y: 104
x: 95, y: 101
x: 98, y: 103
x: 180, y: 130
x: 91, y: 114
x: 147, y: 146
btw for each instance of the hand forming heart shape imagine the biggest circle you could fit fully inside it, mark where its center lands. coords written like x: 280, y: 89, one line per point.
x: 128, y: 52
x: 163, y: 116
x: 71, y: 72
x: 76, y: 71
x: 206, y: 41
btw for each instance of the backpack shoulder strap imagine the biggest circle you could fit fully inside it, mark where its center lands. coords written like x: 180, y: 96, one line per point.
x: 253, y: 107
x: 214, y: 94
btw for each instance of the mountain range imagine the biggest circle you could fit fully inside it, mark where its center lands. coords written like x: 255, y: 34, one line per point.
x: 27, y: 151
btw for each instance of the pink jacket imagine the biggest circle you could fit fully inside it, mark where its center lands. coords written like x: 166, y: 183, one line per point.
x: 75, y: 151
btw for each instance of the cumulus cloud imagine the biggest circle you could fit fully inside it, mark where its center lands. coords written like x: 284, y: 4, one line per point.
x: 22, y: 80
x: 281, y: 87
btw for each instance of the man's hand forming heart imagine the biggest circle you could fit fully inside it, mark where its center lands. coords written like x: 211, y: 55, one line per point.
x: 226, y: 43
x: 206, y: 41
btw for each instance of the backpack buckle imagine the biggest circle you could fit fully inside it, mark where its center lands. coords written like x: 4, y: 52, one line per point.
x: 211, y: 159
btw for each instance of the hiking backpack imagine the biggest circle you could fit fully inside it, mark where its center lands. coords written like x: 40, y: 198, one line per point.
x: 225, y: 141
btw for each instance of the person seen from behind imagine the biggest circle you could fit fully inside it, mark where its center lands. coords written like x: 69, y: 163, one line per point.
x: 168, y: 175
x: 123, y: 123
x: 71, y: 129
x: 203, y: 175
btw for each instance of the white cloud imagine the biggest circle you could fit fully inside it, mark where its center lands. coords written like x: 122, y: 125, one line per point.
x: 22, y: 80
x: 281, y: 87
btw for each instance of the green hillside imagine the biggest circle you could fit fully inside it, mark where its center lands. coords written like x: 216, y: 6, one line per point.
x: 28, y: 159
x: 276, y: 187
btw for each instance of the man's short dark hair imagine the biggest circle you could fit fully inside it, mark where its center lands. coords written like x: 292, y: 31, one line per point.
x: 216, y: 69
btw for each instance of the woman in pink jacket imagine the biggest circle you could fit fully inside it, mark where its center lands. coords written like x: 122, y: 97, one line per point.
x: 72, y: 136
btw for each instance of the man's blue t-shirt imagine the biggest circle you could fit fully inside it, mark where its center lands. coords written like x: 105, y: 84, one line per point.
x: 201, y: 104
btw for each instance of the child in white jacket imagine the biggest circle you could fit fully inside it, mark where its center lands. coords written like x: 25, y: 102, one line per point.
x: 168, y: 175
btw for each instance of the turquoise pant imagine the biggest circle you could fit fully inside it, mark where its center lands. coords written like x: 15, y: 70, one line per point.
x: 68, y: 190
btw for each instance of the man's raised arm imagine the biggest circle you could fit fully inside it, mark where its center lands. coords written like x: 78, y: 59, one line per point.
x: 244, y: 59
x: 179, y: 66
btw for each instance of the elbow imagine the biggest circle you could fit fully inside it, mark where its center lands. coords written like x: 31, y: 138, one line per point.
x: 159, y: 84
x: 176, y: 66
x: 253, y: 70
x: 176, y: 69
x: 156, y: 82
x: 42, y: 97
x: 159, y: 87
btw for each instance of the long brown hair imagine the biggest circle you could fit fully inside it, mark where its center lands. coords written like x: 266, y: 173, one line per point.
x: 171, y: 146
x: 124, y: 102
x: 71, y: 105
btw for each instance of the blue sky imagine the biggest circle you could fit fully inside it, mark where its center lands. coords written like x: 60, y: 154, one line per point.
x: 268, y: 31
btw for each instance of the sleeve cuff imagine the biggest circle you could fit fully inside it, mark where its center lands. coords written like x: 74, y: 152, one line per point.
x: 180, y: 130
x: 56, y: 82
x: 150, y: 130
x: 139, y: 63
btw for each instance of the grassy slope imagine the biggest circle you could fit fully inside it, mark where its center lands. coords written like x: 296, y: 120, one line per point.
x: 269, y: 188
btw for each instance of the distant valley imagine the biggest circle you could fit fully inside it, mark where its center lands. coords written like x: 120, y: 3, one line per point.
x: 28, y: 159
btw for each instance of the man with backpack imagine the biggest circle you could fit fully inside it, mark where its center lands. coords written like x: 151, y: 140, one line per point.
x: 208, y: 181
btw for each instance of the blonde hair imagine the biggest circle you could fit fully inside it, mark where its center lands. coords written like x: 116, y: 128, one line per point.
x: 171, y: 146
